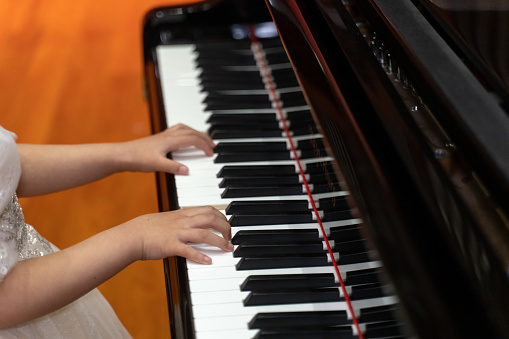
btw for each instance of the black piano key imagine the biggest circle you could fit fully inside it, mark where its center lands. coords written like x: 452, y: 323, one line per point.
x: 209, y: 106
x: 292, y: 320
x: 290, y: 218
x: 228, y: 157
x: 301, y: 236
x: 266, y: 206
x: 256, y: 170
x: 225, y: 157
x: 283, y: 74
x: 300, y: 281
x: 207, y: 85
x: 291, y: 281
x: 224, y: 46
x: 221, y: 60
x: 217, y: 117
x: 236, y: 147
x: 298, y: 261
x: 279, y: 206
x: 282, y: 262
x: 259, y: 181
x: 256, y: 251
x: 270, y: 219
x: 380, y: 330
x: 333, y: 203
x: 223, y: 75
x: 280, y: 190
x: 291, y: 296
x: 294, y: 179
x: 277, y: 58
x: 299, y: 319
x: 387, y: 329
x: 238, y: 133
x: 239, y: 192
x: 344, y: 332
x: 378, y: 314
x: 286, y: 296
x: 229, y: 99
x: 231, y: 60
x: 344, y: 247
x: 234, y: 121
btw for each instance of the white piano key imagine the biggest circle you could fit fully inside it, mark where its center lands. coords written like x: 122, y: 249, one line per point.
x: 217, y: 297
x: 237, y: 308
x: 215, y: 284
x: 181, y: 91
x: 237, y: 334
x: 223, y: 324
x: 211, y: 272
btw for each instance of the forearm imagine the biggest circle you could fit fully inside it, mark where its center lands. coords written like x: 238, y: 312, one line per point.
x: 51, y: 168
x: 38, y: 286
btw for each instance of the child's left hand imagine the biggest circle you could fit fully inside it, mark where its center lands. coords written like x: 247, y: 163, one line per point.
x: 149, y: 154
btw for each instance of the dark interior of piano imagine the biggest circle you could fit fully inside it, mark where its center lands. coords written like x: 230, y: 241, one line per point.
x: 362, y: 159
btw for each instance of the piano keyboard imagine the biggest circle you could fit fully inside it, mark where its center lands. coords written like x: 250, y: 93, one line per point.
x: 280, y: 281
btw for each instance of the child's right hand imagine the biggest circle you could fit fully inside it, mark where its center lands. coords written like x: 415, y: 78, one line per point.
x: 167, y: 234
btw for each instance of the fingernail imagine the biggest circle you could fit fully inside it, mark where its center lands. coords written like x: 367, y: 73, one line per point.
x: 230, y: 247
x: 183, y: 170
x: 207, y: 260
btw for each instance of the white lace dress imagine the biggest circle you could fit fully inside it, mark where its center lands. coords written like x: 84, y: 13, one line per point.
x: 90, y: 316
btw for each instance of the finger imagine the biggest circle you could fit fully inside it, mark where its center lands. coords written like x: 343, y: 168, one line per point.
x: 181, y: 130
x: 192, y: 254
x: 192, y: 139
x: 200, y: 236
x: 174, y: 167
x: 215, y: 221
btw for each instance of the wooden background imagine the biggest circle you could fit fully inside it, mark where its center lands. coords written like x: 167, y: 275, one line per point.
x: 71, y: 72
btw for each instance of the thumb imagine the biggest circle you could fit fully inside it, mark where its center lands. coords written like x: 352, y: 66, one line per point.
x: 174, y: 167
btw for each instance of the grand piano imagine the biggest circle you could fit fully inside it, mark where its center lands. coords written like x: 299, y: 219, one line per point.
x: 362, y: 160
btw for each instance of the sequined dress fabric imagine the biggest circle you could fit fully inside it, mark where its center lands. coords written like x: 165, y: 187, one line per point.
x: 88, y: 317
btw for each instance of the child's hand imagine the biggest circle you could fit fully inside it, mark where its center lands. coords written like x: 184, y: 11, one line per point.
x: 149, y: 154
x: 166, y: 234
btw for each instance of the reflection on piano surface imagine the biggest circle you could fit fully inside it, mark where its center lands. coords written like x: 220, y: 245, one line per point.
x: 367, y: 196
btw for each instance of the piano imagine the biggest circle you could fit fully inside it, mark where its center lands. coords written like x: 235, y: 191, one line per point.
x: 362, y: 159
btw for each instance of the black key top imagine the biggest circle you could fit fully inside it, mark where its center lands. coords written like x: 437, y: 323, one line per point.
x: 220, y: 60
x: 290, y: 296
x: 282, y: 281
x: 344, y: 234
x: 236, y: 192
x: 226, y: 157
x: 207, y: 85
x: 285, y: 296
x: 320, y: 319
x: 297, y: 261
x: 300, y: 236
x: 223, y: 98
x: 299, y: 319
x: 222, y: 147
x: 237, y: 105
x: 340, y: 332
x: 256, y: 170
x: 306, y: 281
x: 266, y: 206
x: 256, y: 251
x: 229, y: 157
x: 280, y: 206
x: 246, y: 118
x: 294, y: 218
x: 259, y: 181
x: 236, y: 134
